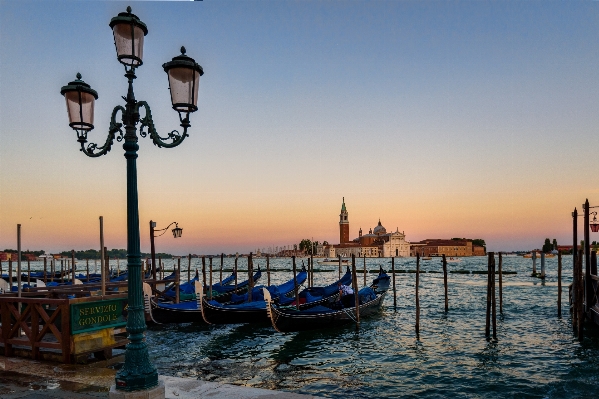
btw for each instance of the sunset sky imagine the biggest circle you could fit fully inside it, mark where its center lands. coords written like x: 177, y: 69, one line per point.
x: 443, y: 119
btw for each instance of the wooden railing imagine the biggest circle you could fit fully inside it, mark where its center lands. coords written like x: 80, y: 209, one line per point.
x: 40, y: 328
x: 41, y: 323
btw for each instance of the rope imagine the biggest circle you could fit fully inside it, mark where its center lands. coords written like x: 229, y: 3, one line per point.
x: 349, y: 313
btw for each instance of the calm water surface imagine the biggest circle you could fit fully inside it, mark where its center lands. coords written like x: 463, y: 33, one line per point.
x: 535, y: 355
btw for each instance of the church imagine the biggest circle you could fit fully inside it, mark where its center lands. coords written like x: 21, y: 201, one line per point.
x: 377, y: 243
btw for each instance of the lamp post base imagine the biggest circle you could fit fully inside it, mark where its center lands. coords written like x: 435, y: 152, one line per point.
x: 157, y: 392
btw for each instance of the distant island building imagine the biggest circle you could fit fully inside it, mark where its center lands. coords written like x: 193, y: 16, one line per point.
x: 440, y: 247
x: 377, y: 243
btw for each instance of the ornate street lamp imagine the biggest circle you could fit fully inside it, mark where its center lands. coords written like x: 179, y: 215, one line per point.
x: 177, y: 231
x: 183, y: 73
x: 595, y: 223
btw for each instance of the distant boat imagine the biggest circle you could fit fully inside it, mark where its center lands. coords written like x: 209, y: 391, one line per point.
x: 539, y: 255
x: 426, y: 258
x: 333, y: 262
x: 453, y: 260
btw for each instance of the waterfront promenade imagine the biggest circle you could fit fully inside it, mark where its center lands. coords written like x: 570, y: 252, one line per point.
x: 27, y: 379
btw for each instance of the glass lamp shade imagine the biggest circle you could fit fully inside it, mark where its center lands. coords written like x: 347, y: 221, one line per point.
x: 594, y: 226
x: 184, y: 80
x: 177, y: 231
x: 129, y: 32
x: 80, y: 98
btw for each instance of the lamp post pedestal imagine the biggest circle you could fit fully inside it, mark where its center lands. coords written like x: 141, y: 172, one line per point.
x: 158, y: 392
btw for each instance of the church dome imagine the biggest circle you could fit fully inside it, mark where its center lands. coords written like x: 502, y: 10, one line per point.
x: 379, y: 229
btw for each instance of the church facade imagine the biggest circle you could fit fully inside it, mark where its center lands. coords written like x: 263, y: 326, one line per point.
x: 377, y: 243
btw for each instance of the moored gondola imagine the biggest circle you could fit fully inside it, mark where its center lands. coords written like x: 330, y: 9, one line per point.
x: 188, y: 311
x: 332, y: 314
x: 314, y: 296
x: 214, y: 312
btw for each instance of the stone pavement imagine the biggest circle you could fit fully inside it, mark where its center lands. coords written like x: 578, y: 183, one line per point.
x: 22, y: 386
x: 28, y: 379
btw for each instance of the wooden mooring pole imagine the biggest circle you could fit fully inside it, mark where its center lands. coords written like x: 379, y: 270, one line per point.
x: 417, y: 298
x: 87, y: 269
x: 250, y: 277
x: 221, y: 267
x: 204, y: 276
x: 268, y: 270
x: 45, y: 269
x: 559, y: 284
x: 573, y: 294
x: 542, y: 265
x: 235, y: 271
x: 10, y: 273
x: 19, y: 287
x: 107, y: 266
x: 102, y: 252
x: 500, y: 284
x: 356, y: 291
x: 494, y: 306
x: 339, y: 267
x: 393, y: 276
x: 580, y: 296
x: 445, y: 282
x: 534, y: 263
x: 295, y: 287
x: 178, y: 281
x: 189, y: 267
x: 308, y: 275
x: 210, y: 288
x: 488, y: 314
x: 311, y: 271
x: 28, y: 272
x: 365, y: 271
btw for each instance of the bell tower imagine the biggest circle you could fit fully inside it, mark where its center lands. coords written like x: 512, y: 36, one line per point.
x: 343, y: 225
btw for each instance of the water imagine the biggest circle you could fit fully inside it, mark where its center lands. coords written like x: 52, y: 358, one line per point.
x: 535, y: 355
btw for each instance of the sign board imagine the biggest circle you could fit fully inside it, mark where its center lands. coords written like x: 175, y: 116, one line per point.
x: 93, y: 316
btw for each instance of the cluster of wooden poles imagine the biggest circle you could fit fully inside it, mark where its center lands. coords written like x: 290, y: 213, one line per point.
x: 491, y: 314
x: 578, y: 290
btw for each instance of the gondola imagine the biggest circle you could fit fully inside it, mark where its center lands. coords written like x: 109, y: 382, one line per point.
x: 188, y: 311
x: 187, y: 290
x: 243, y: 311
x: 332, y: 314
x: 314, y: 296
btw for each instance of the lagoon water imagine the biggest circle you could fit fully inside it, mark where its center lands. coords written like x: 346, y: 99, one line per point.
x: 535, y: 355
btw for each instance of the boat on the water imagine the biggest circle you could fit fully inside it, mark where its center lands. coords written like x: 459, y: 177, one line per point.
x: 333, y: 262
x: 189, y: 311
x: 241, y: 310
x: 331, y: 314
x: 187, y: 290
x: 314, y: 296
x: 452, y: 260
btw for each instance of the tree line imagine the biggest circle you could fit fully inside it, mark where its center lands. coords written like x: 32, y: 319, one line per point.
x: 91, y: 254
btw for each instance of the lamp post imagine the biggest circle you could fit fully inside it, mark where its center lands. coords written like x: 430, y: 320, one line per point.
x: 184, y: 73
x: 177, y: 231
